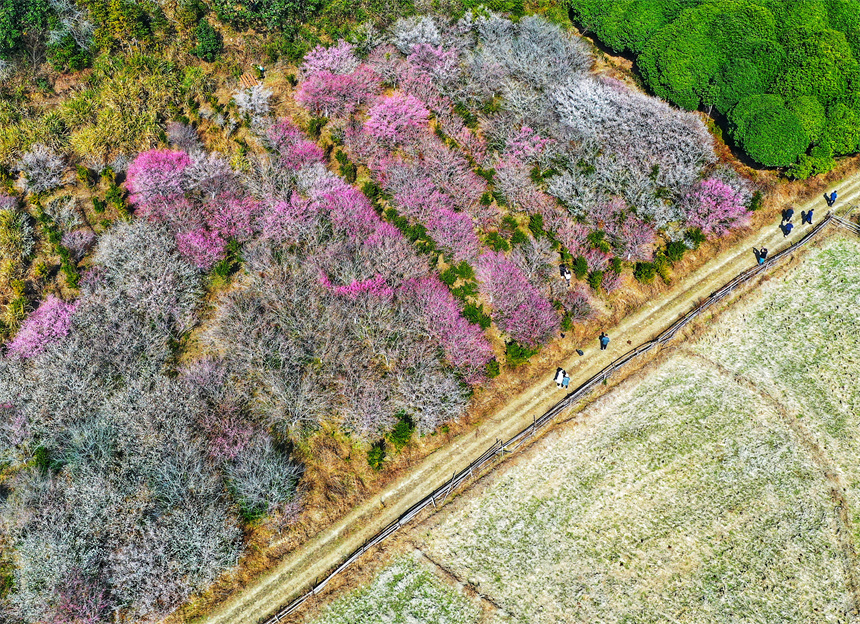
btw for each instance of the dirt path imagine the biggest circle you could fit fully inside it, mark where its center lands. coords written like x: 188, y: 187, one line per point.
x: 313, y: 559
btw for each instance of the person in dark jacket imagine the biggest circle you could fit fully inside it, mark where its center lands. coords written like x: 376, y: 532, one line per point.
x: 806, y: 217
x: 760, y: 254
x: 786, y: 229
x: 604, y: 341
x: 832, y: 199
x: 787, y: 215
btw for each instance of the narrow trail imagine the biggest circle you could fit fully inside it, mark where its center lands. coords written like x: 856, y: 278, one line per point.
x: 818, y: 455
x: 312, y: 560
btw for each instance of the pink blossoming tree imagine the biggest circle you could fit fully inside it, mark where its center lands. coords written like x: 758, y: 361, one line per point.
x: 337, y: 95
x: 337, y: 59
x: 397, y: 119
x: 48, y: 324
x: 716, y: 207
x: 465, y: 345
x: 519, y: 309
x: 156, y: 175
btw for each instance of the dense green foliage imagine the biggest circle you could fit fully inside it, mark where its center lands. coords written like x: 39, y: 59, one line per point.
x: 209, y: 43
x: 784, y: 73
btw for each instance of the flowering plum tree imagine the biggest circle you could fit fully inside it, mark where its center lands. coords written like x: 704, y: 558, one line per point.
x: 42, y: 168
x: 716, y: 207
x: 337, y: 95
x: 293, y: 148
x: 397, y: 119
x: 454, y: 233
x: 49, y: 323
x: 465, y: 345
x: 518, y: 308
x: 156, y: 176
x: 337, y: 59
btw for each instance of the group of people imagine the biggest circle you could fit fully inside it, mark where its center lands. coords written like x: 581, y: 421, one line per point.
x: 562, y: 379
x: 788, y: 214
x: 787, y: 226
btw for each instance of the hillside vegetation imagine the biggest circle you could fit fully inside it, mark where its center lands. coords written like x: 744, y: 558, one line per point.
x: 224, y: 302
x: 784, y: 74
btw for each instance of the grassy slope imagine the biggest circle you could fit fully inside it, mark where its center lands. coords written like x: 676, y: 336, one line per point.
x: 403, y: 593
x: 688, y: 502
x: 800, y: 343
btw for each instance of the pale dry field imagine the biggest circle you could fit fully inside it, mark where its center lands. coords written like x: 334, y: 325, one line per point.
x: 715, y: 486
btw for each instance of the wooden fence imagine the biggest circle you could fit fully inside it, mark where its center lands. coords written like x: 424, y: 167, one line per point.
x: 439, y: 495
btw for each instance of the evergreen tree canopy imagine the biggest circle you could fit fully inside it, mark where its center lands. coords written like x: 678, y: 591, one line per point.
x: 727, y: 55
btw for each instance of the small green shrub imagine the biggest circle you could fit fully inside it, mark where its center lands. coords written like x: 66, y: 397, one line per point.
x: 580, y: 268
x: 645, y: 272
x: 595, y: 279
x: 696, y: 237
x: 493, y: 369
x: 756, y: 201
x: 376, y: 455
x: 402, y: 432
x: 487, y: 174
x: 495, y: 242
x: 465, y: 270
x: 209, y: 42
x: 675, y: 251
x: 469, y: 289
x: 517, y: 354
x: 315, y: 126
x: 475, y: 314
x: 349, y: 172
x: 536, y: 225
x: 449, y: 276
x: 519, y: 237
x: 597, y: 239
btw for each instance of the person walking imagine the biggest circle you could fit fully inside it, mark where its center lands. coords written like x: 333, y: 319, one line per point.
x: 760, y: 254
x: 604, y: 341
x: 786, y: 229
x: 787, y: 215
x: 559, y: 375
x: 806, y: 217
x: 830, y: 200
x: 566, y: 381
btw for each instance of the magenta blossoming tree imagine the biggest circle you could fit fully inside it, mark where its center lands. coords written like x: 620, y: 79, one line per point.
x: 527, y: 145
x: 202, y: 247
x: 337, y: 95
x: 293, y: 148
x: 440, y: 64
x: 716, y: 207
x: 375, y: 286
x: 455, y: 234
x: 635, y: 240
x: 464, y: 343
x: 397, y: 119
x: 519, y: 309
x: 48, y: 324
x: 156, y: 175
